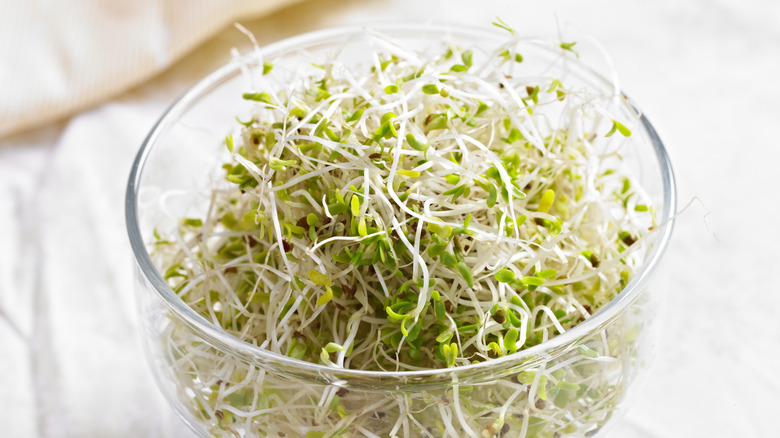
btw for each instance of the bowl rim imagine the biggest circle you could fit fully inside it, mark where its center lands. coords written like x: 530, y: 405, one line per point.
x: 225, y: 340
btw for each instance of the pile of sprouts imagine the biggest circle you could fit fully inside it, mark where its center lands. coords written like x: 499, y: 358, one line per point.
x: 414, y: 211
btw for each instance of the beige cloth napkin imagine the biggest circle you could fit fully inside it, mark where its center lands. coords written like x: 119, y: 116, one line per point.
x: 60, y: 57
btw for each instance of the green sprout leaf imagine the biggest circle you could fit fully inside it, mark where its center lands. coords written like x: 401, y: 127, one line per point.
x: 355, y: 116
x: 258, y: 97
x: 354, y: 204
x: 229, y: 143
x: 568, y: 386
x: 450, y: 354
x: 326, y: 297
x: 465, y: 272
x: 532, y: 281
x: 246, y: 124
x: 569, y: 47
x: 393, y: 315
x: 467, y: 58
x: 505, y: 275
x: 280, y: 165
x: 510, y: 340
x: 192, y: 222
x: 440, y: 311
x: 415, y: 144
x: 492, y: 195
x: 618, y: 127
x: 502, y: 25
x: 448, y: 259
x: 409, y: 173
x: 444, y: 336
x: 541, y: 390
x: 547, y: 273
x: 319, y: 278
x: 587, y: 351
x: 438, y: 121
x: 430, y: 89
x: 362, y: 228
x: 546, y: 202
x: 387, y: 117
x: 333, y: 347
x: 526, y: 377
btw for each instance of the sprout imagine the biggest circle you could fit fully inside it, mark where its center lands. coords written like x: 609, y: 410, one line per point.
x: 229, y: 143
x: 372, y: 219
x: 430, y: 89
x: 409, y: 173
x: 333, y: 347
x: 450, y: 353
x: 546, y: 202
x: 258, y: 97
x: 587, y: 351
x: 192, y: 222
x: 319, y: 279
x: 502, y: 25
x: 569, y: 47
x: 505, y: 276
x: 619, y: 127
x: 326, y: 297
x: 280, y: 165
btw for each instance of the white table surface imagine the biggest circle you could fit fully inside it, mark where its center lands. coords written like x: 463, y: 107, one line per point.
x: 706, y: 74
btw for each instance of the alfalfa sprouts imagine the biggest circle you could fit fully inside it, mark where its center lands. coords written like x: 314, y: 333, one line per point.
x: 413, y: 211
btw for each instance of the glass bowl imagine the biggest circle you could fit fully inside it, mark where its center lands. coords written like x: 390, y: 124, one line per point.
x: 197, y: 363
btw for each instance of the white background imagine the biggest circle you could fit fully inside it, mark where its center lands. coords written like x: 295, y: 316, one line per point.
x: 707, y: 75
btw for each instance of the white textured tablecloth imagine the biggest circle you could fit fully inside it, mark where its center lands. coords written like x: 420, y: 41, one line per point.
x: 705, y: 73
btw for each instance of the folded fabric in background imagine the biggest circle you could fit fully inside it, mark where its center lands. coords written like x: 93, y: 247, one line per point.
x: 71, y: 364
x: 57, y: 58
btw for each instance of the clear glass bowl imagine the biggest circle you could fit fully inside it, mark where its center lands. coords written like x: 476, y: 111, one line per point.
x: 191, y: 357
